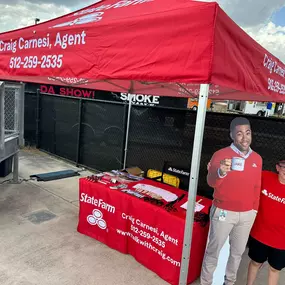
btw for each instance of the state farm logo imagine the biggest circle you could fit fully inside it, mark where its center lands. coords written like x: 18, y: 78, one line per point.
x: 95, y: 14
x: 97, y: 219
x: 273, y: 197
x: 264, y: 192
x: 178, y: 171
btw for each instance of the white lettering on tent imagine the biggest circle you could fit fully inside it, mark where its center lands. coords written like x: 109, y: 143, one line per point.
x: 70, y: 40
x: 274, y: 67
x: 31, y: 62
x: 90, y: 18
x: 276, y: 86
x: 119, y: 4
x: 8, y: 46
x: 279, y: 70
x: 69, y: 80
x: 34, y: 43
x: 268, y: 63
x: 95, y: 14
x: 62, y: 40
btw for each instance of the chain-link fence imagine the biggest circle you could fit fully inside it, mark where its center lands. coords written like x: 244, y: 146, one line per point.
x: 11, y: 126
x: 13, y: 100
x: 11, y: 120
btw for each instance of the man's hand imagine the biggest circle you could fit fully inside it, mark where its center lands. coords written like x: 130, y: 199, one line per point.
x: 225, y: 166
x: 208, y: 165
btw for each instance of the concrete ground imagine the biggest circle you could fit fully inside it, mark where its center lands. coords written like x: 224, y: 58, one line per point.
x: 53, y: 252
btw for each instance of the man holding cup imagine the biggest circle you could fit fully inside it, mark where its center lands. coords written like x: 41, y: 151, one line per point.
x: 235, y: 174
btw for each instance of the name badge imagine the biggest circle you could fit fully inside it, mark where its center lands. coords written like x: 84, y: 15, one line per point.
x: 222, y: 215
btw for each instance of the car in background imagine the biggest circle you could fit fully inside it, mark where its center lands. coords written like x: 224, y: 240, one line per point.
x: 193, y: 104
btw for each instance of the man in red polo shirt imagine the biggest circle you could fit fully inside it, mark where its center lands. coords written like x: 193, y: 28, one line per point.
x: 267, y: 241
x: 236, y: 200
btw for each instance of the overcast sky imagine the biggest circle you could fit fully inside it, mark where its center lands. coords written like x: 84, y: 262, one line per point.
x: 264, y: 20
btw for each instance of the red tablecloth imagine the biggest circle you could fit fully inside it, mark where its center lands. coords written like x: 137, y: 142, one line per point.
x: 153, y: 236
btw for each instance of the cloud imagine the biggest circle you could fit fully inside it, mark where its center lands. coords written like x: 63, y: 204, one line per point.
x: 271, y: 37
x: 22, y: 15
x: 252, y: 13
x: 248, y: 13
x: 254, y: 17
x: 39, y: 2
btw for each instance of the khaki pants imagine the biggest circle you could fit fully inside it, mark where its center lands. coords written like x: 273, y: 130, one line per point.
x: 236, y: 226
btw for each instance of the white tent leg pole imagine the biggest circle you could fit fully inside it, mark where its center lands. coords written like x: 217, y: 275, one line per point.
x: 127, y: 131
x: 193, y: 182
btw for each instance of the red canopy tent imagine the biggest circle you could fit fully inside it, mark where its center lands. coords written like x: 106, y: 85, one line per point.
x: 160, y: 47
x: 157, y: 46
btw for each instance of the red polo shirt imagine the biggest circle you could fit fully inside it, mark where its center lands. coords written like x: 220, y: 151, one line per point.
x: 269, y: 226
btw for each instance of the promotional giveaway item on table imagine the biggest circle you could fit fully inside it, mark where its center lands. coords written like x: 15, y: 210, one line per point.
x: 144, y: 219
x: 159, y: 192
x: 198, y: 206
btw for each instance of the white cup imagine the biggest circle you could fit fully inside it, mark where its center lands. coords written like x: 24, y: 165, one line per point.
x: 238, y: 163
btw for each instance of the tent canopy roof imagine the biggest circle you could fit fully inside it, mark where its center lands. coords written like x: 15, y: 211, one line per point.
x: 160, y: 47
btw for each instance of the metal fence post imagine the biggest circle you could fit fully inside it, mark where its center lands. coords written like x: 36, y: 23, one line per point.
x: 79, y: 132
x: 127, y: 132
x: 21, y: 126
x: 54, y: 120
x: 16, y: 168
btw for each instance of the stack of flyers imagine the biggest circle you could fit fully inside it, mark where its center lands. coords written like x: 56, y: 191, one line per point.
x: 133, y: 193
x: 162, y: 193
x: 119, y: 186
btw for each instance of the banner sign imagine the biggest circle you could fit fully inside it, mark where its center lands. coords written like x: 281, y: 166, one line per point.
x: 149, y: 233
x: 137, y: 99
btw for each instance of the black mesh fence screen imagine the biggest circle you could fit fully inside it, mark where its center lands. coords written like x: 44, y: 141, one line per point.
x: 102, y: 135
x: 59, y: 126
x: 157, y: 134
x: 66, y: 127
x: 164, y: 135
x: 30, y: 123
x: 47, y: 124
